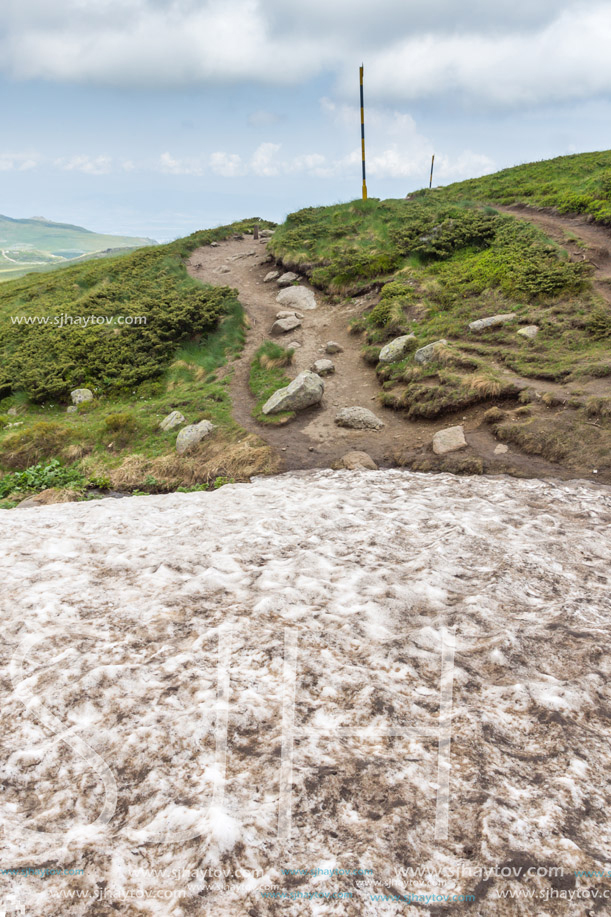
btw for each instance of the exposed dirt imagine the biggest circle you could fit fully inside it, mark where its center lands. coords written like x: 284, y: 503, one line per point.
x: 313, y: 440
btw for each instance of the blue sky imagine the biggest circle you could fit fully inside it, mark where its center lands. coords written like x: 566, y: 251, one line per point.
x: 158, y: 117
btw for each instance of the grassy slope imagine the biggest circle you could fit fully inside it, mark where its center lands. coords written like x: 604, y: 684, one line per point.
x: 568, y: 184
x: 179, y: 362
x: 433, y: 264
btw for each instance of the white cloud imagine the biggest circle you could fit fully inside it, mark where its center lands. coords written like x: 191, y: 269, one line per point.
x: 90, y: 165
x: 510, y: 52
x: 228, y: 165
x: 171, y: 165
x: 21, y: 162
x: 263, y: 160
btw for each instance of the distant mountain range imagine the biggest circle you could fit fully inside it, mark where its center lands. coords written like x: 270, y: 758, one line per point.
x: 38, y: 244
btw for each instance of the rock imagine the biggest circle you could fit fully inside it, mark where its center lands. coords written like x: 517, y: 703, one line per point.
x: 492, y: 321
x: 358, y: 419
x: 47, y: 497
x: 284, y: 325
x: 12, y: 411
x: 357, y: 461
x: 285, y: 279
x: 332, y: 347
x: 172, y: 420
x: 323, y: 367
x: 396, y: 349
x: 501, y: 449
x: 294, y: 345
x: 71, y: 409
x: 304, y: 391
x: 271, y: 276
x: 193, y: 434
x: 449, y: 440
x: 223, y: 269
x: 529, y: 331
x: 214, y: 244
x: 427, y: 353
x: 285, y: 314
x: 297, y: 298
x: 81, y: 394
x: 266, y: 233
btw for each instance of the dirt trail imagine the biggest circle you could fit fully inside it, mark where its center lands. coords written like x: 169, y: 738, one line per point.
x: 313, y: 440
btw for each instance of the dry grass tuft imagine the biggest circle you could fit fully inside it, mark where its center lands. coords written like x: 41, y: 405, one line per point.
x: 268, y: 362
x: 486, y: 386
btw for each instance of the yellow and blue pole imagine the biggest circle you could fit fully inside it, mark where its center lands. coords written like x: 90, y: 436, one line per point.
x: 363, y: 134
x: 431, y: 178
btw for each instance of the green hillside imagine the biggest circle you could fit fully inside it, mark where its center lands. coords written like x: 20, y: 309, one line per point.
x: 37, y: 244
x: 139, y: 371
x: 431, y: 265
x: 568, y: 184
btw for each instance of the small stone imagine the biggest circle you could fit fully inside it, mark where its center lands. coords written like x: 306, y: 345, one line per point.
x: 214, y: 245
x: 287, y: 278
x: 396, y: 349
x: 223, y: 269
x: 175, y: 419
x: 323, y: 367
x: 529, y: 331
x: 284, y: 325
x: 332, y: 347
x: 266, y: 233
x: 358, y: 418
x: 294, y: 345
x: 285, y: 314
x: 193, y: 434
x: 81, y: 394
x: 71, y: 409
x: 12, y: 411
x: 428, y: 353
x: 357, y: 461
x: 492, y: 321
x: 449, y: 440
x: 271, y: 276
x: 501, y: 449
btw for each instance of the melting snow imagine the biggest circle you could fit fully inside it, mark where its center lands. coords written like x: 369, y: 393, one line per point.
x: 145, y: 687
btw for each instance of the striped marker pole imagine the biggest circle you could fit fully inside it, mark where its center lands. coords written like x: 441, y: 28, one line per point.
x: 431, y: 178
x: 363, y: 133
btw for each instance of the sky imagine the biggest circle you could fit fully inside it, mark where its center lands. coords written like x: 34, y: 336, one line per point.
x: 158, y: 117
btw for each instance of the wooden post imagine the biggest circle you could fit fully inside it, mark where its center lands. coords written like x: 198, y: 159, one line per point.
x: 431, y: 178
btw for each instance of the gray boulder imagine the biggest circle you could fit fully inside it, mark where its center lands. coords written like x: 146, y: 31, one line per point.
x: 304, y: 391
x: 297, y: 298
x: 175, y: 419
x: 285, y: 279
x: 529, y: 331
x: 426, y: 354
x: 266, y: 233
x: 272, y: 275
x: 332, y: 347
x: 492, y: 322
x: 449, y: 440
x: 294, y: 345
x: 358, y: 419
x: 323, y: 367
x: 396, y: 350
x: 284, y: 325
x: 81, y: 394
x: 357, y: 461
x: 214, y: 245
x: 193, y: 434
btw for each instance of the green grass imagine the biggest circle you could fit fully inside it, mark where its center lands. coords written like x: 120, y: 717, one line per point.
x: 267, y: 376
x: 568, y: 184
x: 116, y: 437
